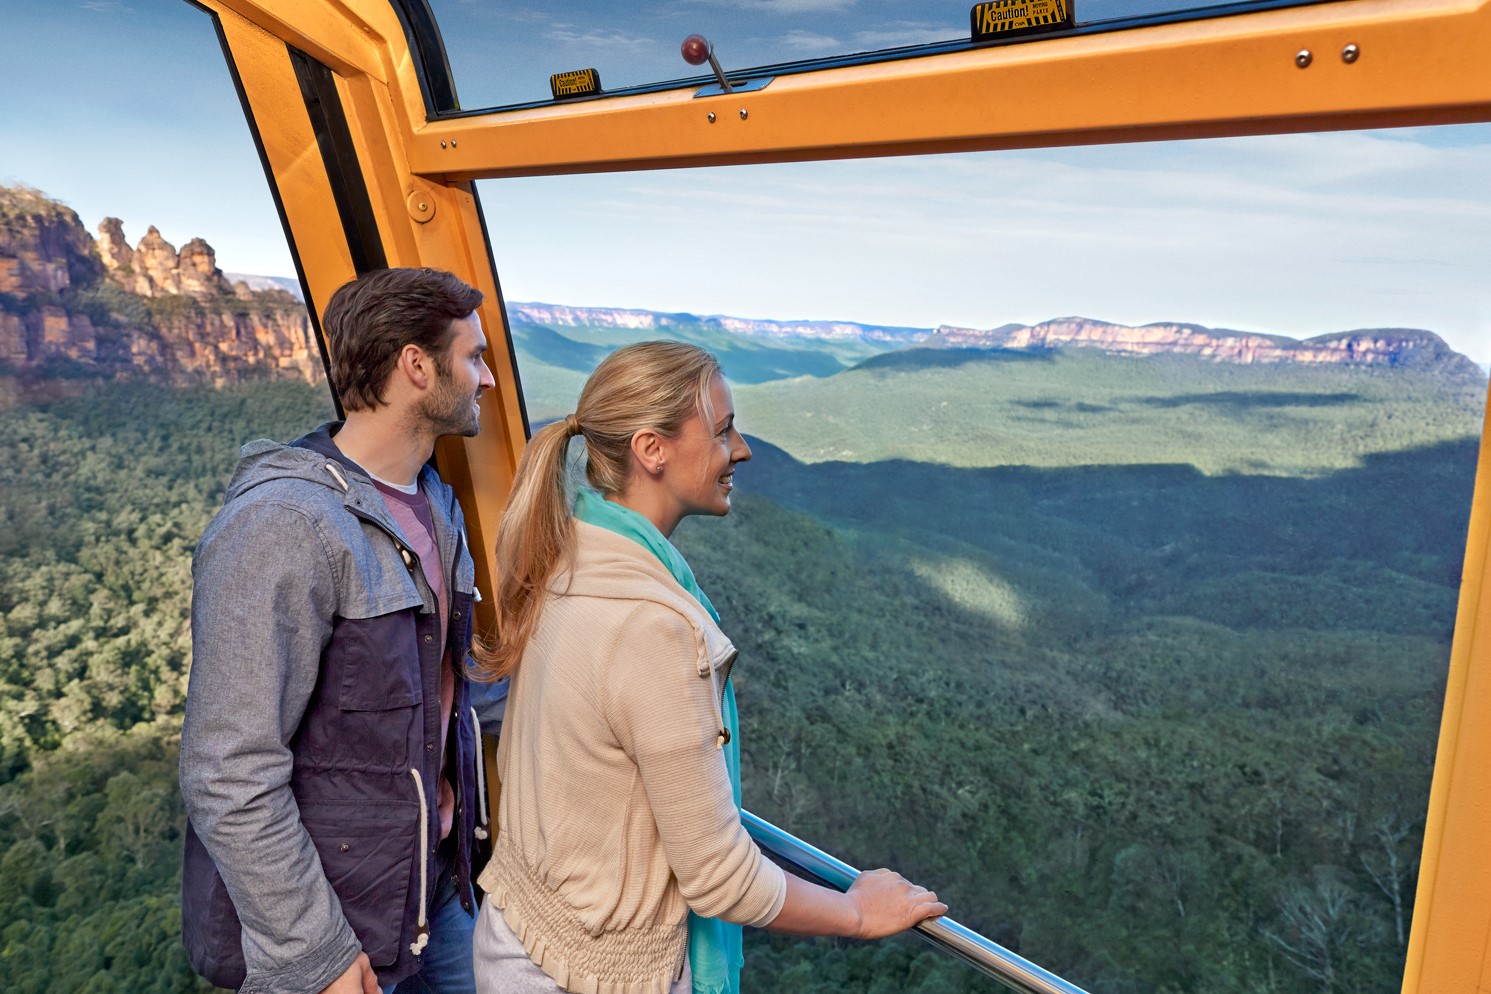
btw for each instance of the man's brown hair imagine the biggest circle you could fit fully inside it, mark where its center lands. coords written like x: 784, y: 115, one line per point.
x: 369, y: 321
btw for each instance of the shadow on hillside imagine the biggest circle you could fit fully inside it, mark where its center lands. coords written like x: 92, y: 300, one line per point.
x: 1150, y: 537
x: 1247, y: 399
x: 947, y: 358
x: 1081, y: 406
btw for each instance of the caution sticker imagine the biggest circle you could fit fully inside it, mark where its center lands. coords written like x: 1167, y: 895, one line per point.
x: 575, y: 83
x: 1004, y: 18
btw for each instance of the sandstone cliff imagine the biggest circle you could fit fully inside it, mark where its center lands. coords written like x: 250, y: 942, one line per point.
x: 1368, y: 347
x: 75, y: 309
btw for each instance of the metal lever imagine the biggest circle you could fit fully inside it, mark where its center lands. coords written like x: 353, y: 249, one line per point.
x: 696, y: 51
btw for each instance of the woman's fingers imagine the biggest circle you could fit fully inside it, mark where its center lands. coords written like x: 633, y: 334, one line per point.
x: 889, y: 903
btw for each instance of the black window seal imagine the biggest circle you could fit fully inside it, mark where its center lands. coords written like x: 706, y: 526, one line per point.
x: 431, y: 66
x: 339, y: 154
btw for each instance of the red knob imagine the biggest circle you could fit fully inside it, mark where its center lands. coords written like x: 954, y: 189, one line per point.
x: 695, y: 50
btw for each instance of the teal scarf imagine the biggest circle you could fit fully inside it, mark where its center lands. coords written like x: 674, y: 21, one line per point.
x: 715, y: 956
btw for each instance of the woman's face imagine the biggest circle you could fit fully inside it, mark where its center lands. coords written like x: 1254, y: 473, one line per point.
x: 698, y: 470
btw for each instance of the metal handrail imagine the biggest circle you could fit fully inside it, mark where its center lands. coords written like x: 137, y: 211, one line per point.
x: 947, y: 935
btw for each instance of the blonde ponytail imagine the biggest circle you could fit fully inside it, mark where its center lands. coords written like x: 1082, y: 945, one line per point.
x: 651, y: 385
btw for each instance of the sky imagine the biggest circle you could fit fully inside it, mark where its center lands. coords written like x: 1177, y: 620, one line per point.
x: 1296, y: 235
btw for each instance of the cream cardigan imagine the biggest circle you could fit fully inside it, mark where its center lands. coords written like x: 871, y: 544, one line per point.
x: 616, y: 815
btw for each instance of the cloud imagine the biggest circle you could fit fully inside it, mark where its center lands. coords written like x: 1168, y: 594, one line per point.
x: 799, y: 6
x: 901, y: 34
x: 107, y: 7
x: 786, y: 7
x: 809, y: 42
x: 597, y: 38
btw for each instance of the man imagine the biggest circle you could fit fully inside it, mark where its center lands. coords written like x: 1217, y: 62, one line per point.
x: 329, y: 758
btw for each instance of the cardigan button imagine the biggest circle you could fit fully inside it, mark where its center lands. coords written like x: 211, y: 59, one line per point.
x: 429, y: 638
x: 344, y: 848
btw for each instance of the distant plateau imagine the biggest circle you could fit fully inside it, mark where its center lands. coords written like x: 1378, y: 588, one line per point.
x: 77, y: 307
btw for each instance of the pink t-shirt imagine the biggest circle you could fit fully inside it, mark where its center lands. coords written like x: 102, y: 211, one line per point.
x: 412, y: 512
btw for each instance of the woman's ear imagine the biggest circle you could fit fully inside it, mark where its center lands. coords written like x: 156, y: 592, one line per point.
x: 649, y: 449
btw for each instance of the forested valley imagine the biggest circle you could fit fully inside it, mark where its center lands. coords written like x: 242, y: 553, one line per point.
x: 1159, y: 721
x: 105, y: 497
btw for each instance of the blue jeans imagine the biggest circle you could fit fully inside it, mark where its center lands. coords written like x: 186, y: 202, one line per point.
x: 445, y: 966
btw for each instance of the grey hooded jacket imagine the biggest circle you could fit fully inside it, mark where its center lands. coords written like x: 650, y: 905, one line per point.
x: 310, y: 751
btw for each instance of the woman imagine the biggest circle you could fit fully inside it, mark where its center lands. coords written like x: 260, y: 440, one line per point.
x: 620, y: 768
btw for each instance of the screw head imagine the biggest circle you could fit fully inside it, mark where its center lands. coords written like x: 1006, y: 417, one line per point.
x: 711, y: 117
x: 452, y: 143
x: 1350, y: 54
x: 442, y: 144
x: 744, y: 113
x: 1303, y: 58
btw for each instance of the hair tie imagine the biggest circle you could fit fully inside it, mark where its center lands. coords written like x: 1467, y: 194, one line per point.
x: 572, y: 424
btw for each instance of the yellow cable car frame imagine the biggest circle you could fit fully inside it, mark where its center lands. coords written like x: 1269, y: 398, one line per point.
x: 370, y: 165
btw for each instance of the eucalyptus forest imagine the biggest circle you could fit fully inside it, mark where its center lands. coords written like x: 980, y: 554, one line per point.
x: 1137, y: 661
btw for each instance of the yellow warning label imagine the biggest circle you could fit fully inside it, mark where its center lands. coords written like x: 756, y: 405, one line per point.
x: 575, y: 83
x: 1001, y: 18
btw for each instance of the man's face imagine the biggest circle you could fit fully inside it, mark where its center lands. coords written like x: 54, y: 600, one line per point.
x: 450, y: 407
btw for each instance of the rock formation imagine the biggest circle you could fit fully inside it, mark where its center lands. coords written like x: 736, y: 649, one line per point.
x: 75, y: 308
x: 1368, y: 347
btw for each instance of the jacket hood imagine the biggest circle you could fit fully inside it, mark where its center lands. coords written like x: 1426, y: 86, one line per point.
x: 311, y: 457
x: 613, y: 566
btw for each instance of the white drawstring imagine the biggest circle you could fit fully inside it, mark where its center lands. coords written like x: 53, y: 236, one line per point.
x: 481, y: 780
x: 332, y: 468
x: 423, y: 938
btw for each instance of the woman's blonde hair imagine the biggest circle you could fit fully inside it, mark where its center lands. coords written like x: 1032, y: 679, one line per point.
x: 648, y: 386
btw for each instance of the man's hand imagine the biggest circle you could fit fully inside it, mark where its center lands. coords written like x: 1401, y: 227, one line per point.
x: 359, y: 978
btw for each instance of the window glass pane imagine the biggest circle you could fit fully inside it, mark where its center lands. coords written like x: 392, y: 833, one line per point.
x: 1098, y: 560
x: 503, y: 53
x: 134, y: 361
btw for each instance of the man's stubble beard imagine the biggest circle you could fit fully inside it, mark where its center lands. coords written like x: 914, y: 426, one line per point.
x: 448, y: 412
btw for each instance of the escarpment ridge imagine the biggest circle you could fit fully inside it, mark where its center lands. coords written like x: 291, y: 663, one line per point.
x: 76, y: 309
x: 1365, y: 347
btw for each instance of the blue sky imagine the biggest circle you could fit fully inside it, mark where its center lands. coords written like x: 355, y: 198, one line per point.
x: 123, y: 107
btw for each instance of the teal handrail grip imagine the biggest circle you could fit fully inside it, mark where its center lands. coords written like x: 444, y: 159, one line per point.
x: 957, y: 940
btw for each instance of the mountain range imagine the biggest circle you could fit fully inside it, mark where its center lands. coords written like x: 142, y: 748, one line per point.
x: 75, y: 307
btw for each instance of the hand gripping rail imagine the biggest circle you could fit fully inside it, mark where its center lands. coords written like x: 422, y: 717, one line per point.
x: 947, y: 935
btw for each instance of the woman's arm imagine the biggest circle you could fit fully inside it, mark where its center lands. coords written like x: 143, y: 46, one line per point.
x: 880, y: 903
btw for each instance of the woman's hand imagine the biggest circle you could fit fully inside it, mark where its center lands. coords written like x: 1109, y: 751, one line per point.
x: 889, y: 903
x: 879, y: 903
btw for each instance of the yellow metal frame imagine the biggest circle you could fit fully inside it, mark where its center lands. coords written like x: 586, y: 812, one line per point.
x: 1421, y: 62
